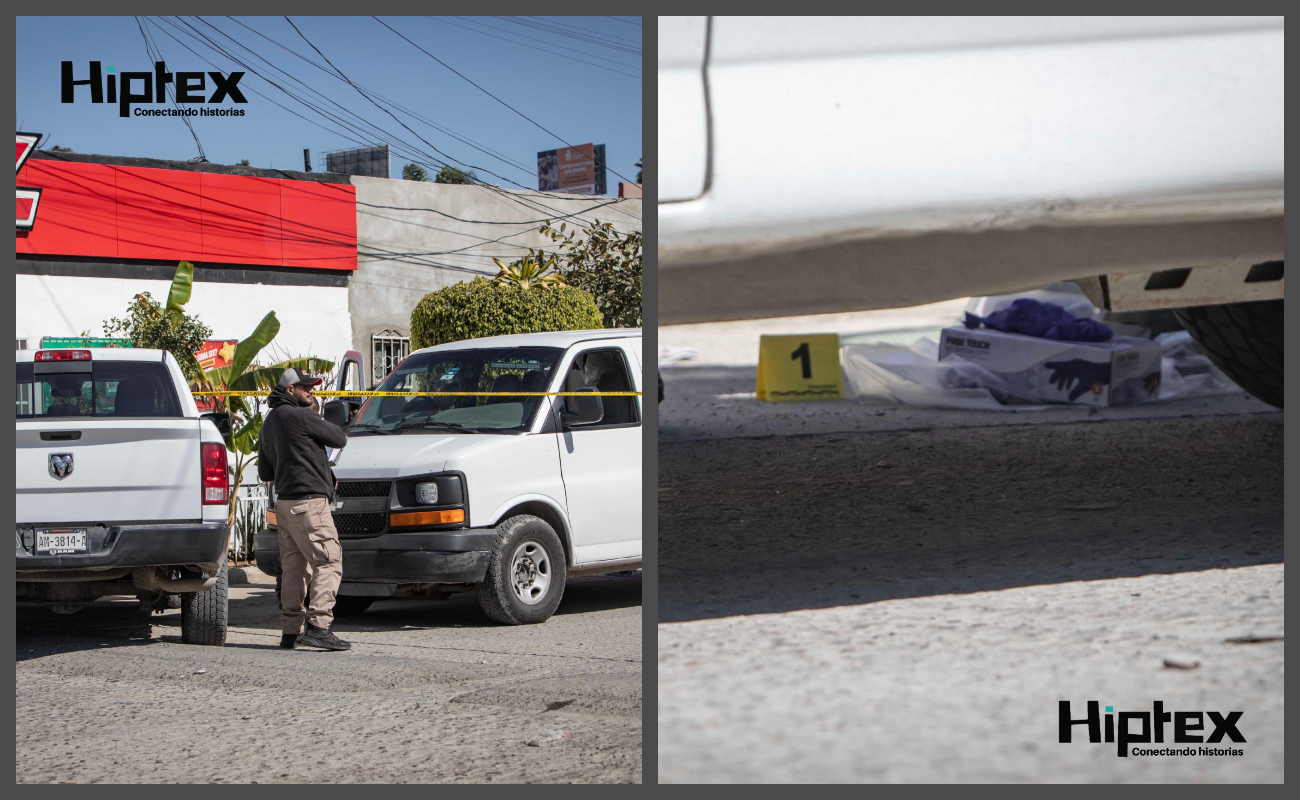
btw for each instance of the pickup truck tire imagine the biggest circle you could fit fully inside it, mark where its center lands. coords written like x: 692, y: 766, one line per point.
x: 351, y: 605
x: 204, y: 614
x: 527, y: 556
x: 1244, y: 340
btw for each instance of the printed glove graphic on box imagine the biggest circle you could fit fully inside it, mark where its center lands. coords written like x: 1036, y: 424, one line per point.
x: 1089, y: 375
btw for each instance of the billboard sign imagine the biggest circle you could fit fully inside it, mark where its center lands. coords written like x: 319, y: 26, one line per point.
x: 369, y: 162
x: 572, y: 170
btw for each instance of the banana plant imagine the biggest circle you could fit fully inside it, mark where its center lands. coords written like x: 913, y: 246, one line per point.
x: 243, y: 375
x: 240, y: 375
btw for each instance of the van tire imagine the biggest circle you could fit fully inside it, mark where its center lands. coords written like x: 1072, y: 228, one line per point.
x: 496, y: 594
x: 204, y: 614
x: 1244, y: 340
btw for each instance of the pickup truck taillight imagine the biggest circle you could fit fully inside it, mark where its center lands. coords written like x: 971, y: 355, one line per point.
x: 62, y: 355
x: 216, y: 486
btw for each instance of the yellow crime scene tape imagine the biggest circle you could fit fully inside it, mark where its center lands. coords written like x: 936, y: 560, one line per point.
x: 233, y: 393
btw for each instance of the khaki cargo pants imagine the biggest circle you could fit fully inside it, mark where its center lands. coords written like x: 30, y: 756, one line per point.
x: 311, y: 561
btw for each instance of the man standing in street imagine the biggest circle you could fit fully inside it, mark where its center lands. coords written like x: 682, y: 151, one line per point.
x: 292, y: 454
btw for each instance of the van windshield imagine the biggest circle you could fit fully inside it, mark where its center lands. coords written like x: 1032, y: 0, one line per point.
x: 512, y: 369
x: 104, y: 389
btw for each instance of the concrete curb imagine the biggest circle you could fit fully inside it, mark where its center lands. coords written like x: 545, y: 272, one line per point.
x: 242, y: 576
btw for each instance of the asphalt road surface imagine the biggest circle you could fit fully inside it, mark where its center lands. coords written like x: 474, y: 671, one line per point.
x: 851, y: 592
x: 430, y: 692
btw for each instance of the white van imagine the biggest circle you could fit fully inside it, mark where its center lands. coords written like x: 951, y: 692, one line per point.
x: 506, y: 496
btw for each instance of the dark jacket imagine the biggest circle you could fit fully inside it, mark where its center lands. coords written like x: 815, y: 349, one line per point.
x: 292, y: 449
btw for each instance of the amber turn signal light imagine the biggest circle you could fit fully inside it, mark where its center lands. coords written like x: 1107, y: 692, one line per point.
x: 427, y: 518
x: 270, y: 517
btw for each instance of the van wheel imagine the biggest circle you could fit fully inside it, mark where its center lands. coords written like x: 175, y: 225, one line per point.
x: 1245, y: 341
x: 525, y: 575
x: 204, y: 614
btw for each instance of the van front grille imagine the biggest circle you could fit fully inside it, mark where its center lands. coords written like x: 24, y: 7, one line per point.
x: 360, y: 524
x: 363, y: 489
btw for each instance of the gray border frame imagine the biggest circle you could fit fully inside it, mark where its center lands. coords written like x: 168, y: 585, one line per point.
x: 650, y: 413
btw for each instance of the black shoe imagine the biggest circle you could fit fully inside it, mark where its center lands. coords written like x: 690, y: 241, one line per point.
x: 287, y: 640
x: 321, y: 637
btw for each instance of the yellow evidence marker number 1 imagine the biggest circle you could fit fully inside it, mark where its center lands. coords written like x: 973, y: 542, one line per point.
x: 792, y: 368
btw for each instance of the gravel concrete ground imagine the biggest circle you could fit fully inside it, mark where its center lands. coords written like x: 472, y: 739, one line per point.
x: 430, y: 692
x: 853, y: 593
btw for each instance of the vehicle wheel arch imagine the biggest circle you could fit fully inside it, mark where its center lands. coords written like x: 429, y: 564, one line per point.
x: 545, y: 509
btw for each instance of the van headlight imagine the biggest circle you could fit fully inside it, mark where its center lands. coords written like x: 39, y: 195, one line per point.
x: 426, y: 494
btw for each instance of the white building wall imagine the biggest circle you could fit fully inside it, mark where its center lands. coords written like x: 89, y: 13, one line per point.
x: 314, y: 320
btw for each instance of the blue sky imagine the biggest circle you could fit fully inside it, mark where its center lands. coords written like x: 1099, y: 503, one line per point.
x: 597, y: 102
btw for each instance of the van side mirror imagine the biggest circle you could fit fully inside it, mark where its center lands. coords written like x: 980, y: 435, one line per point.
x: 221, y: 419
x: 579, y: 411
x: 336, y: 411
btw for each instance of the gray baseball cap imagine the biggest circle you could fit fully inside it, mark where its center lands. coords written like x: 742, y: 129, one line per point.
x: 293, y: 375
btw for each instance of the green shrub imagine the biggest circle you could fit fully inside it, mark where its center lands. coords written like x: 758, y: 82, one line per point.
x: 483, y: 308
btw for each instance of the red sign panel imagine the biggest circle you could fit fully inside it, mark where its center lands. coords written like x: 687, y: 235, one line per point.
x: 215, y: 354
x: 137, y: 212
x: 212, y: 355
x: 26, y: 144
x: 28, y: 200
x: 28, y: 197
x: 156, y: 214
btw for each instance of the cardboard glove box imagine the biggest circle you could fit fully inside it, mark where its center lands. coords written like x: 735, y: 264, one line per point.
x: 1122, y: 371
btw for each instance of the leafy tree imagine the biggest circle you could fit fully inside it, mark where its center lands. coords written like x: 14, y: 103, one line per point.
x: 638, y: 170
x: 414, y: 172
x: 57, y: 149
x: 453, y: 175
x: 148, y: 324
x: 535, y: 270
x: 243, y: 163
x: 607, y: 265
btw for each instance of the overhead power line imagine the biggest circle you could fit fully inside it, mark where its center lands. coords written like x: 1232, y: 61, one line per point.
x: 609, y: 39
x: 628, y: 21
x: 489, y: 94
x: 386, y: 111
x: 362, y: 132
x: 381, y: 133
x: 521, y: 44
x: 441, y: 128
x: 152, y: 50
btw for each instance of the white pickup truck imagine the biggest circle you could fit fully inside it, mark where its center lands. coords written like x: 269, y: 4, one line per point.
x: 505, y: 496
x: 122, y: 487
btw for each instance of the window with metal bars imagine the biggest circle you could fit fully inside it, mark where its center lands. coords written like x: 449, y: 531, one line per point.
x: 388, y: 348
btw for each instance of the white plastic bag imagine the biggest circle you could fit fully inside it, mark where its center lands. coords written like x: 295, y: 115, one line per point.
x: 912, y: 376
